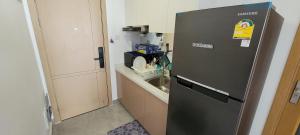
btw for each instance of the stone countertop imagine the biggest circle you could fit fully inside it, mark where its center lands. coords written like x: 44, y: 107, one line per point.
x: 141, y: 81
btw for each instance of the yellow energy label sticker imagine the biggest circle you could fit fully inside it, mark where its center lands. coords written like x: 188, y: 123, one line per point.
x: 244, y: 29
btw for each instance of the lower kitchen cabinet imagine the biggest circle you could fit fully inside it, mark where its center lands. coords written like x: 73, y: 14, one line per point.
x: 150, y: 111
x: 132, y: 97
x: 155, y: 115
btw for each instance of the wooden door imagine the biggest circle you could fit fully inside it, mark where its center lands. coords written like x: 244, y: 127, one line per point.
x: 72, y: 31
x: 284, y: 117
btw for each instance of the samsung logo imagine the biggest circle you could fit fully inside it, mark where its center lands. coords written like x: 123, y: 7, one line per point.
x: 247, y: 13
x: 202, y: 45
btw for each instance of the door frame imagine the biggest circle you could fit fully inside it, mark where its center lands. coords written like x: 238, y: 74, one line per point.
x: 285, y: 88
x: 41, y: 46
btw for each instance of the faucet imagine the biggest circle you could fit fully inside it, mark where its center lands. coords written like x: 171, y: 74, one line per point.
x: 164, y: 63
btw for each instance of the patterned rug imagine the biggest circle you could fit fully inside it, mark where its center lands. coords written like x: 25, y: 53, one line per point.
x: 131, y: 128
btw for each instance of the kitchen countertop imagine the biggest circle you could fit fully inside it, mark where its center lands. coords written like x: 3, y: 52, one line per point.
x: 140, y: 80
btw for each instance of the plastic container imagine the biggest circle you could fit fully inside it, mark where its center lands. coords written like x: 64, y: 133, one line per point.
x: 147, y: 48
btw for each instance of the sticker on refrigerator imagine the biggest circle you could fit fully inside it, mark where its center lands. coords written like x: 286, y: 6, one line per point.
x: 245, y: 43
x: 244, y: 29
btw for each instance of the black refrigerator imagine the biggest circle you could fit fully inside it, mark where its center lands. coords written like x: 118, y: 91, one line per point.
x: 221, y: 58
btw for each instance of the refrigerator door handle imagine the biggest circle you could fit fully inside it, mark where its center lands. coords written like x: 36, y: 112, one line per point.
x: 203, y: 85
x: 202, y: 90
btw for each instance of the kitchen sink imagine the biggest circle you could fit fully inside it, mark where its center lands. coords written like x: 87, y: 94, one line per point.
x: 162, y: 83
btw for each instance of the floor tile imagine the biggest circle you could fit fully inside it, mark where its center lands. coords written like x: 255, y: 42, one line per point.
x: 97, y: 122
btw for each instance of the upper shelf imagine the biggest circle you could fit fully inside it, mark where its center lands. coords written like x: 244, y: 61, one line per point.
x: 158, y: 14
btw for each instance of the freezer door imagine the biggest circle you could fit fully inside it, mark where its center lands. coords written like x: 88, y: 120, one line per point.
x: 197, y: 111
x: 205, y: 50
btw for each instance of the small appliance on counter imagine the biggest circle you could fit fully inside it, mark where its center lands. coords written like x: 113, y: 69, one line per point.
x: 130, y: 56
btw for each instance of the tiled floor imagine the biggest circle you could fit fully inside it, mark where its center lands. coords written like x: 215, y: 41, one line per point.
x: 97, y: 122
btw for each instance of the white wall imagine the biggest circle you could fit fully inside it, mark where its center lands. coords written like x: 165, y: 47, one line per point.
x: 21, y: 88
x: 122, y: 40
x: 290, y: 10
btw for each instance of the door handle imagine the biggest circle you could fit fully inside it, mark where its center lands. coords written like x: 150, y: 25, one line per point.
x: 296, y: 94
x: 197, y: 87
x: 101, y: 57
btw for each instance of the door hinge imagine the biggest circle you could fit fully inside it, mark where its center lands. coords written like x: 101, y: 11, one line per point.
x: 48, y: 108
x: 296, y: 94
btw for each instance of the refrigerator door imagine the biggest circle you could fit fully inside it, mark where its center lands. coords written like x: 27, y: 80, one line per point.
x: 206, y: 52
x: 197, y: 111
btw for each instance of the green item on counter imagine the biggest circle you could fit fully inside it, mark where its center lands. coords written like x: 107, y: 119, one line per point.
x: 158, y: 67
x: 170, y: 66
x: 141, y: 51
x: 164, y: 60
